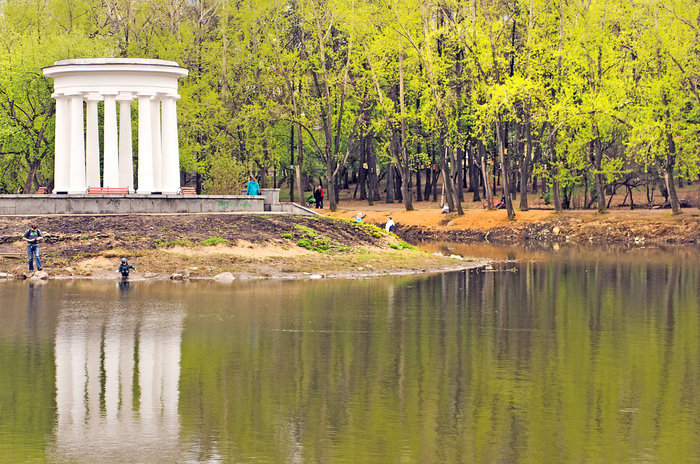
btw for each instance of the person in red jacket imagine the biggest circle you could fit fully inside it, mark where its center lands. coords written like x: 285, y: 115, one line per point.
x: 318, y: 196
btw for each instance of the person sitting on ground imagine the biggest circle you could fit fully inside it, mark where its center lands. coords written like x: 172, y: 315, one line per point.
x: 390, y: 226
x: 501, y: 204
x: 253, y: 188
x: 445, y: 209
x: 124, y: 268
x: 358, y: 217
x: 32, y: 237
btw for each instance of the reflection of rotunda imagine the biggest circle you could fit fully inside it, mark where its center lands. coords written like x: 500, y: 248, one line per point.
x: 117, y: 384
x: 153, y: 83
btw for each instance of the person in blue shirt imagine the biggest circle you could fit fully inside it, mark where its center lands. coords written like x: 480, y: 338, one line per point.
x: 253, y: 188
x: 32, y: 236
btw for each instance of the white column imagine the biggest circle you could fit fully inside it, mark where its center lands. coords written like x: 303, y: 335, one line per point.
x: 61, y: 168
x: 110, y: 173
x: 77, y: 146
x: 126, y: 161
x: 170, y: 148
x: 157, y: 156
x: 93, y: 142
x: 145, y: 145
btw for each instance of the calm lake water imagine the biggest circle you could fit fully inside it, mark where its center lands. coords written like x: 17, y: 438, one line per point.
x: 569, y: 355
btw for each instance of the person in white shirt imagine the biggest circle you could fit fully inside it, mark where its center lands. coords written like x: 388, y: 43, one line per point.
x: 389, y: 225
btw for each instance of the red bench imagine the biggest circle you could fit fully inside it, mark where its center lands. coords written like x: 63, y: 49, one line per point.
x: 108, y: 190
x: 42, y: 191
x: 188, y: 191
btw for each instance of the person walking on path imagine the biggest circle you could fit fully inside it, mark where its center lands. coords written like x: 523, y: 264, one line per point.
x: 253, y: 188
x: 32, y: 236
x: 124, y: 269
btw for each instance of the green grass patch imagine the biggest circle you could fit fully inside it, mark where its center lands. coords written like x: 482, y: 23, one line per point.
x: 304, y: 231
x: 160, y: 243
x: 215, y: 241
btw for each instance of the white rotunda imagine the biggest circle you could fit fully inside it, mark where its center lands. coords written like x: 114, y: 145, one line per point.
x: 153, y: 83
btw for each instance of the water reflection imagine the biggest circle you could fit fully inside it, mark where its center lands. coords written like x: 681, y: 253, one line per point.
x: 562, y: 357
x: 117, y: 378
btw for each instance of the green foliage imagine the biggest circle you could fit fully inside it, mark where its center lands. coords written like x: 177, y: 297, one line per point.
x: 304, y: 243
x: 226, y: 176
x: 309, y: 239
x: 619, y: 73
x: 215, y: 241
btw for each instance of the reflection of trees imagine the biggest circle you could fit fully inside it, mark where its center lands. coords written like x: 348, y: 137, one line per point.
x: 26, y: 371
x: 558, y: 360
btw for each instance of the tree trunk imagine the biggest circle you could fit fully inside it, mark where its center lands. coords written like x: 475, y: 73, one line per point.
x: 362, y: 177
x: 373, y: 183
x: 505, y: 162
x: 428, y: 178
x: 669, y: 168
x: 291, y: 157
x: 485, y: 172
x: 434, y: 174
x: 474, y: 163
x: 598, y: 175
x: 670, y: 162
x: 330, y: 182
x: 446, y: 180
x: 556, y: 198
x: 297, y: 167
x: 419, y: 193
x: 398, y: 183
x: 525, y: 165
x: 389, y: 183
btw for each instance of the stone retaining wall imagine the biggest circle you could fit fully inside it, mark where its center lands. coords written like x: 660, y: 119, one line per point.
x: 128, y: 204
x: 11, y: 205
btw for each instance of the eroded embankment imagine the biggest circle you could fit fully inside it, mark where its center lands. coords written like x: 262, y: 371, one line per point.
x: 203, y: 246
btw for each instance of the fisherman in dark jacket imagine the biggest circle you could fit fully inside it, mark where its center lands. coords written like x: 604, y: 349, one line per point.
x: 32, y: 236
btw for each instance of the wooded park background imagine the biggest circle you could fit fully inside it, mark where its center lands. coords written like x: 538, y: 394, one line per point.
x: 481, y: 96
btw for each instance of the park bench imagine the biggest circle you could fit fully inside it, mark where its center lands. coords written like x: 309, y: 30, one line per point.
x: 188, y: 191
x: 42, y: 191
x: 108, y: 190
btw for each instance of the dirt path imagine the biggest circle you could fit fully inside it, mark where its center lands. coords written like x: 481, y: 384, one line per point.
x: 575, y: 226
